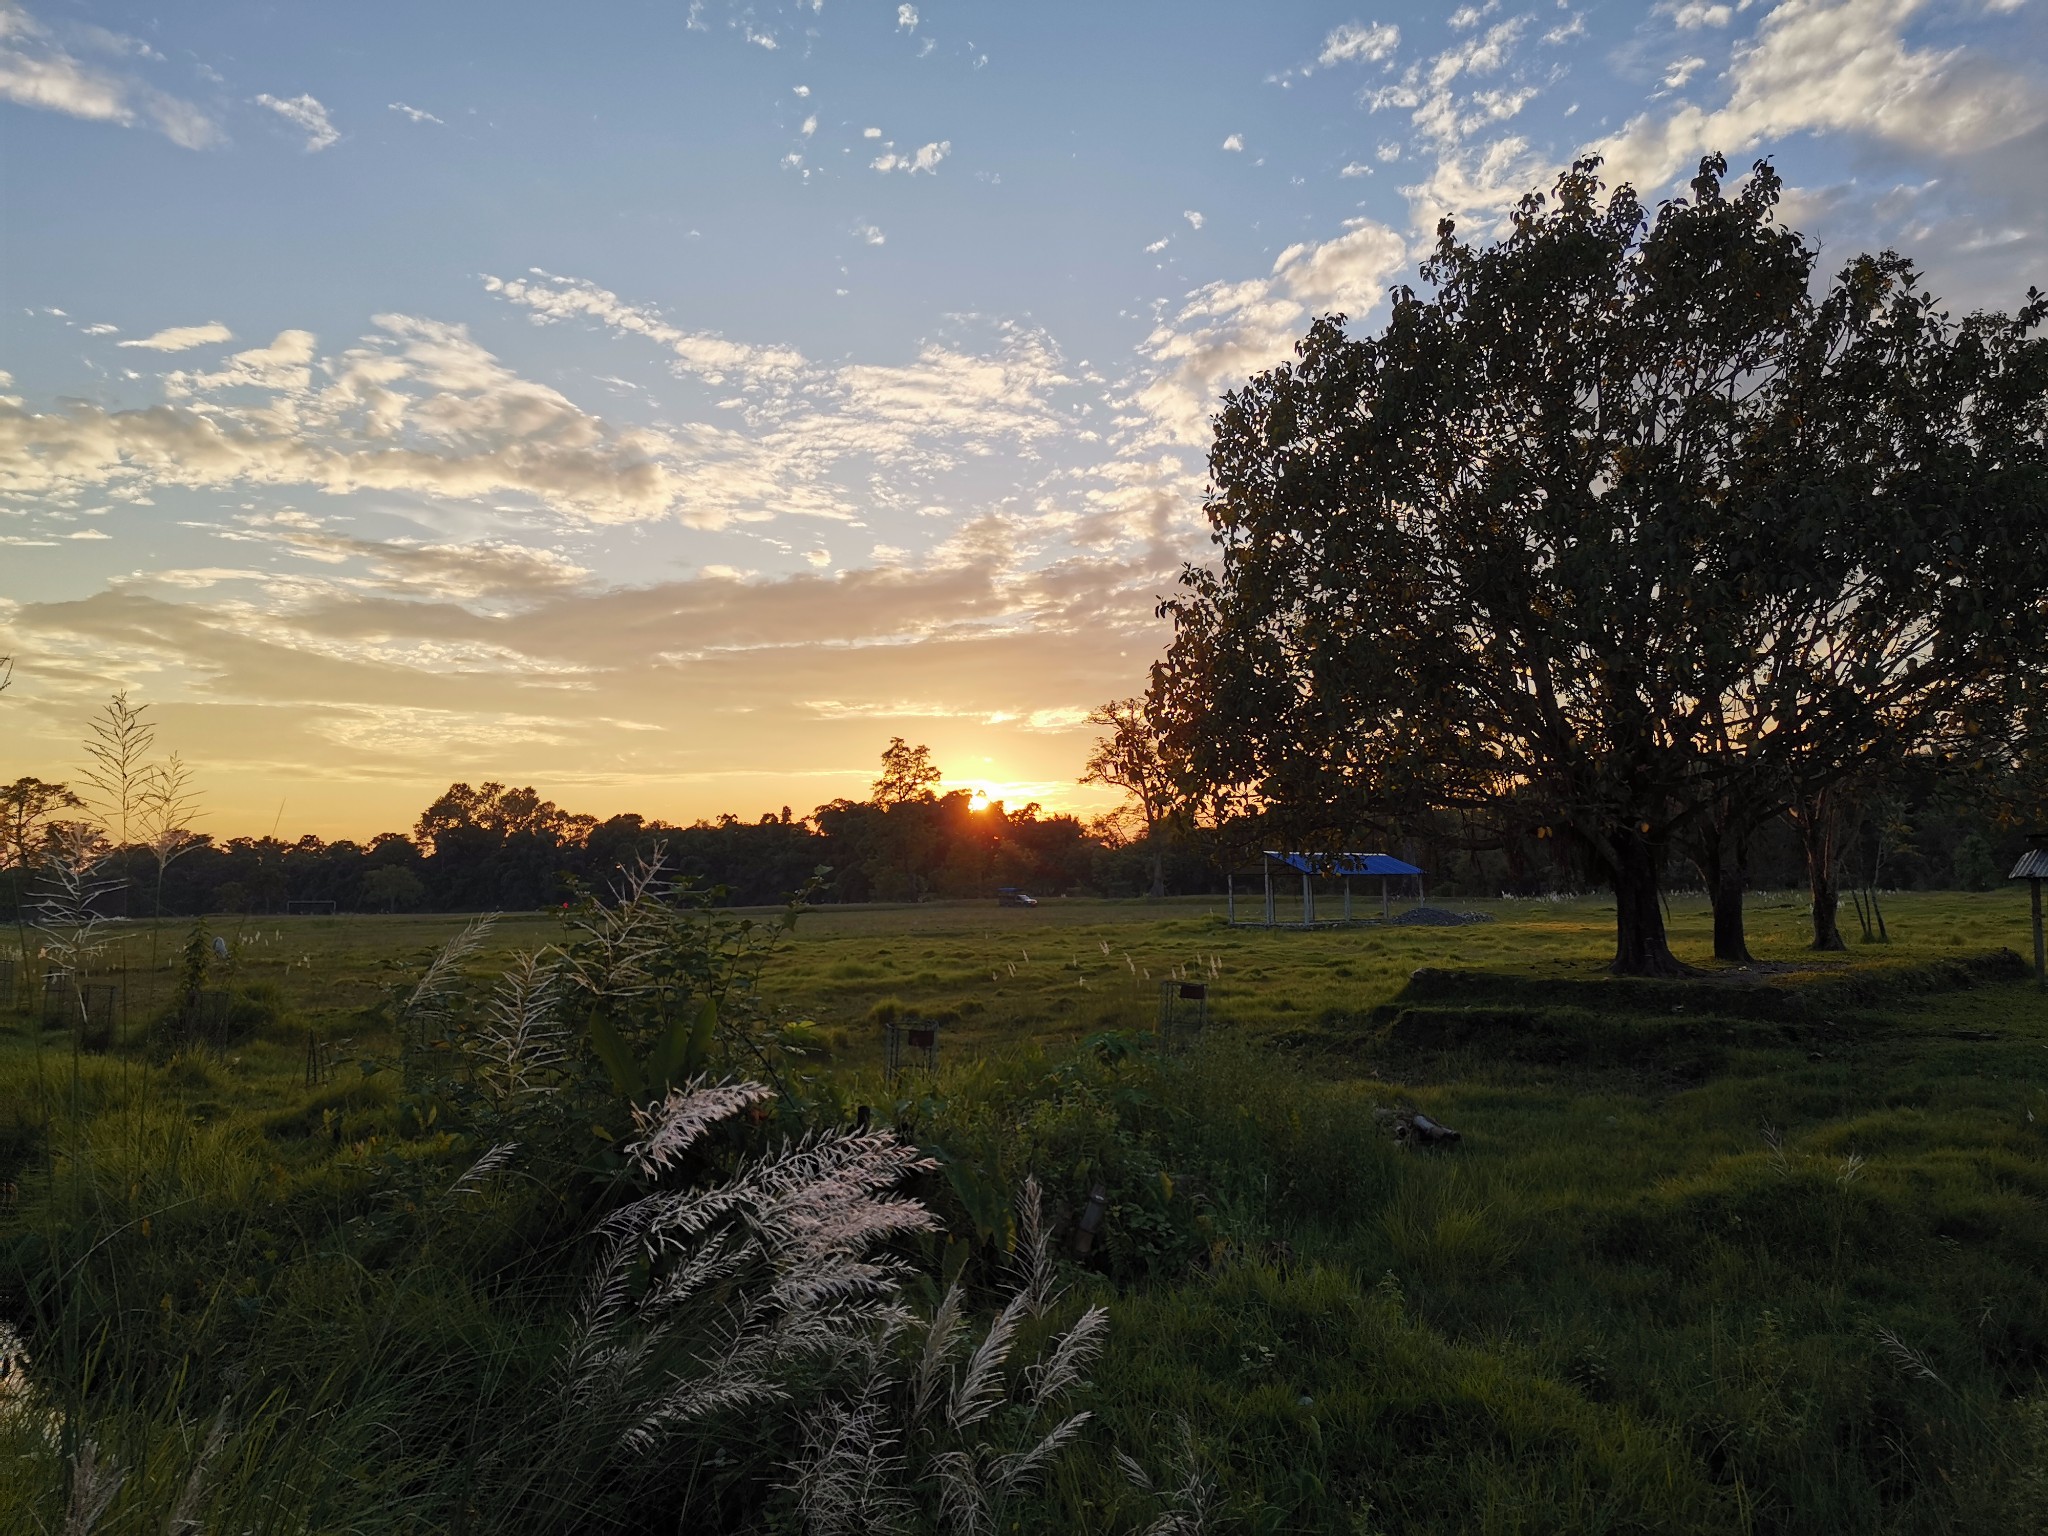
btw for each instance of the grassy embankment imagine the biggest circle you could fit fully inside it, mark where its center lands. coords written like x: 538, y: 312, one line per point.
x: 1711, y: 1256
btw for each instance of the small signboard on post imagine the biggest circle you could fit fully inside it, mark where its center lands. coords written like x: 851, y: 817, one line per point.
x: 909, y: 1042
x: 1183, y: 1010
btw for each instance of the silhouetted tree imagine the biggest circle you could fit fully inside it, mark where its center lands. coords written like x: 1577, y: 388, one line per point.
x: 1128, y: 756
x: 1565, y: 536
x: 908, y: 774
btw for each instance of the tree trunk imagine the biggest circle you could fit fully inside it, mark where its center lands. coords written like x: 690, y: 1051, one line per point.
x: 1640, y: 945
x: 1158, y: 875
x: 1816, y: 820
x: 1727, y: 872
x: 1827, y: 904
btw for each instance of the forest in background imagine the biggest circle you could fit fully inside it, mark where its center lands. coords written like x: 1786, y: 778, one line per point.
x: 493, y: 848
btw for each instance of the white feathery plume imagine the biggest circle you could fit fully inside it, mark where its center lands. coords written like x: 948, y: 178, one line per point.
x: 948, y: 1444
x: 480, y: 1171
x: 93, y: 1485
x: 184, y: 1514
x: 67, y: 911
x: 1076, y: 1351
x: 851, y: 1467
x: 935, y: 1360
x: 627, y: 932
x: 429, y: 999
x: 678, y: 1122
x: 1907, y: 1358
x: 980, y: 1386
x: 1011, y: 1472
x: 1187, y: 1512
x: 1034, y: 1249
x: 783, y: 1243
x: 521, y: 1043
x: 963, y: 1502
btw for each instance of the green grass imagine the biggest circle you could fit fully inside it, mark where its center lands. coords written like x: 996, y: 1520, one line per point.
x: 1711, y: 1256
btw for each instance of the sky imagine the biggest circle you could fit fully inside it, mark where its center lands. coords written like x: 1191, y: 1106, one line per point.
x: 665, y: 404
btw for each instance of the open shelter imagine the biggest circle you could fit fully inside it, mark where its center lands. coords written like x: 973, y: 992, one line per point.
x: 1309, y: 867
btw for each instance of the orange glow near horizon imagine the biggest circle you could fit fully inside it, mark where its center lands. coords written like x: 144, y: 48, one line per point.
x: 274, y: 773
x: 1053, y: 799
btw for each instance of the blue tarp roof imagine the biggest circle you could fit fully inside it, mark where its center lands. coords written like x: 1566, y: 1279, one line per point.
x: 1342, y: 864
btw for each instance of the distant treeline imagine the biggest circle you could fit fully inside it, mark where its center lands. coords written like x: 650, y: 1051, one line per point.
x: 490, y: 847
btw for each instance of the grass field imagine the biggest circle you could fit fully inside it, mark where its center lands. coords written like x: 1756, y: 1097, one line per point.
x: 1761, y: 1253
x: 1000, y: 977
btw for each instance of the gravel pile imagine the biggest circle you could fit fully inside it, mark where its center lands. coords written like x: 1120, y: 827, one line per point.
x: 1438, y: 917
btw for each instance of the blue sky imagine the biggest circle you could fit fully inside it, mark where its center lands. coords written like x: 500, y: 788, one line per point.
x: 667, y: 403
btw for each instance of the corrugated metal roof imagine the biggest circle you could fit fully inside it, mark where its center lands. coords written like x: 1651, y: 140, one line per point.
x: 1342, y: 864
x: 2033, y: 865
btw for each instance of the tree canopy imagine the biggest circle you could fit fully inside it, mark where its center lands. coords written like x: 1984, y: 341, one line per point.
x: 1626, y: 523
x: 1128, y: 756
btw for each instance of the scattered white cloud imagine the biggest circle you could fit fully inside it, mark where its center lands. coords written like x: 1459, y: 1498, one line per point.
x: 306, y: 114
x: 102, y: 329
x: 1478, y: 182
x: 1158, y: 245
x: 810, y: 125
x: 906, y: 18
x: 1690, y: 15
x: 1466, y: 17
x: 1194, y: 218
x: 180, y: 338
x: 1225, y: 331
x: 925, y: 159
x: 1352, y: 43
x: 871, y: 133
x: 1835, y: 66
x: 1350, y: 271
x: 420, y: 415
x: 1682, y: 70
x: 715, y: 359
x: 1428, y: 91
x: 420, y: 409
x: 36, y: 72
x: 415, y: 114
x: 801, y: 90
x: 285, y: 366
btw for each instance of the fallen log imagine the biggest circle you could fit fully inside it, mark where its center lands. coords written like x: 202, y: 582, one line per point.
x: 1428, y: 1132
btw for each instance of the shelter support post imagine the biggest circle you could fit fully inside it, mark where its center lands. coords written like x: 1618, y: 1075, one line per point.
x: 1385, y: 908
x: 2040, y: 952
x: 1229, y: 897
x: 1347, y: 898
x: 1269, y: 894
x: 1308, y: 903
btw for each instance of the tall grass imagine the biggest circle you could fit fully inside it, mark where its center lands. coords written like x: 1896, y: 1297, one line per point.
x: 1694, y: 1272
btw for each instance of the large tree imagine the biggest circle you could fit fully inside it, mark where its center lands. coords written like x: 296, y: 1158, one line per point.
x: 1586, y: 533
x: 1914, y: 629
x: 1128, y: 756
